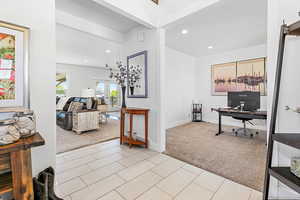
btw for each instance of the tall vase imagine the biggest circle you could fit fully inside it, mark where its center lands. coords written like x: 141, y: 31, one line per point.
x: 123, y: 97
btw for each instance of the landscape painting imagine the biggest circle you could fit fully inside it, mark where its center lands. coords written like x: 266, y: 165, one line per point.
x: 223, y: 78
x: 13, y: 65
x: 7, y: 66
x: 249, y: 75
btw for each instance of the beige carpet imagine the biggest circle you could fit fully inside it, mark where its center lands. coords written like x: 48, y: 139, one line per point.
x: 69, y: 140
x: 240, y: 159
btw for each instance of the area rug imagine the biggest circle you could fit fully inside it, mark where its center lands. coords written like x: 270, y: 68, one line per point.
x: 69, y: 140
x: 238, y: 158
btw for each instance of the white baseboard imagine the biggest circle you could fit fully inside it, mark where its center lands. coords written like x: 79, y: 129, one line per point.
x: 154, y: 146
x: 178, y: 123
x: 151, y: 145
x: 225, y: 121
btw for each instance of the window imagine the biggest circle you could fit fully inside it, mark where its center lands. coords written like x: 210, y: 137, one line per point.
x: 109, y: 91
x: 100, y: 89
x: 114, y: 94
x: 61, y: 84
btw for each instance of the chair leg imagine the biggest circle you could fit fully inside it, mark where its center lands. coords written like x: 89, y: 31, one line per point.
x: 243, y: 130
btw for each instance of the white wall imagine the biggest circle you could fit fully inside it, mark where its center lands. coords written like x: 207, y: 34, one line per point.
x: 180, y: 87
x: 86, y: 26
x: 81, y: 77
x: 203, y: 83
x: 279, y: 10
x: 151, y: 44
x: 39, y: 17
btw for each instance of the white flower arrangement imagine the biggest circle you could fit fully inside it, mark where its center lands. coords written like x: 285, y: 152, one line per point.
x: 121, y: 76
x: 132, y: 74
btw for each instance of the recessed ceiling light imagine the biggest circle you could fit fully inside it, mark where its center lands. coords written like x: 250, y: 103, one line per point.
x: 107, y: 51
x: 210, y: 47
x: 184, y: 31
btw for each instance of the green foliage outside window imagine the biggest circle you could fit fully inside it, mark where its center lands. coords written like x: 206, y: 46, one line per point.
x: 60, y: 90
x: 61, y: 84
x: 114, y: 97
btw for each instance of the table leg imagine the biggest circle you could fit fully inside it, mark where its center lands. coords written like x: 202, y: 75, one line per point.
x: 122, y: 125
x: 130, y: 130
x: 220, y: 125
x: 146, y: 130
x: 22, y: 175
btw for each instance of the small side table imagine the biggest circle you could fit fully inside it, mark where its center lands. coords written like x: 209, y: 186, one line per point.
x: 129, y: 139
x: 85, y: 120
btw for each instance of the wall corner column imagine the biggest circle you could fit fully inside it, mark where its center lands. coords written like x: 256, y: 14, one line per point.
x: 161, y: 46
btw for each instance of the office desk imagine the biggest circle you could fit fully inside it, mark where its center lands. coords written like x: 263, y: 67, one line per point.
x: 239, y: 114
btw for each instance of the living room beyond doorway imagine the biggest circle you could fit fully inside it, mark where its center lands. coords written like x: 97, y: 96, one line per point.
x: 88, y: 114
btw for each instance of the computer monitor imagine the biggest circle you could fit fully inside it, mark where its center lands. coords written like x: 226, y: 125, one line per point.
x: 250, y: 100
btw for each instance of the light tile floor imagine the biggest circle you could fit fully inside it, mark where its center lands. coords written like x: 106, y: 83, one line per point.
x: 108, y: 171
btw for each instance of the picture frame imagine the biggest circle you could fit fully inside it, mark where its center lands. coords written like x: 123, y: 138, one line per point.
x: 257, y: 68
x: 243, y: 75
x: 14, y: 63
x: 140, y: 59
x: 219, y: 74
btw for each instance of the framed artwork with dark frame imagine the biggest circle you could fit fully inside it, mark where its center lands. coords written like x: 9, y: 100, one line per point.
x: 139, y: 59
x: 14, y: 50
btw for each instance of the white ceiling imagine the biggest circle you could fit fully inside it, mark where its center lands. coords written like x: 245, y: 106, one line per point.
x: 76, y: 47
x: 96, y: 13
x: 173, y: 6
x: 226, y: 25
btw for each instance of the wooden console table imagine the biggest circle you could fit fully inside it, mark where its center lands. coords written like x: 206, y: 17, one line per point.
x: 129, y: 139
x: 15, y: 167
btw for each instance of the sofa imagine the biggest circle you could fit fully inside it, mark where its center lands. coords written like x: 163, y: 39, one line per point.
x: 64, y: 115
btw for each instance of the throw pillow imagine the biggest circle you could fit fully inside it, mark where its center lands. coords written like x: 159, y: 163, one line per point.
x: 75, y: 106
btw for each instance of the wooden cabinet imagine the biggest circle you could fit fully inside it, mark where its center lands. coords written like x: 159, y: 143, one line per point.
x: 15, y: 167
x: 85, y: 121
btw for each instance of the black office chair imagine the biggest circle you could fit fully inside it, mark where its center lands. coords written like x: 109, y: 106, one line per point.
x: 244, y: 130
